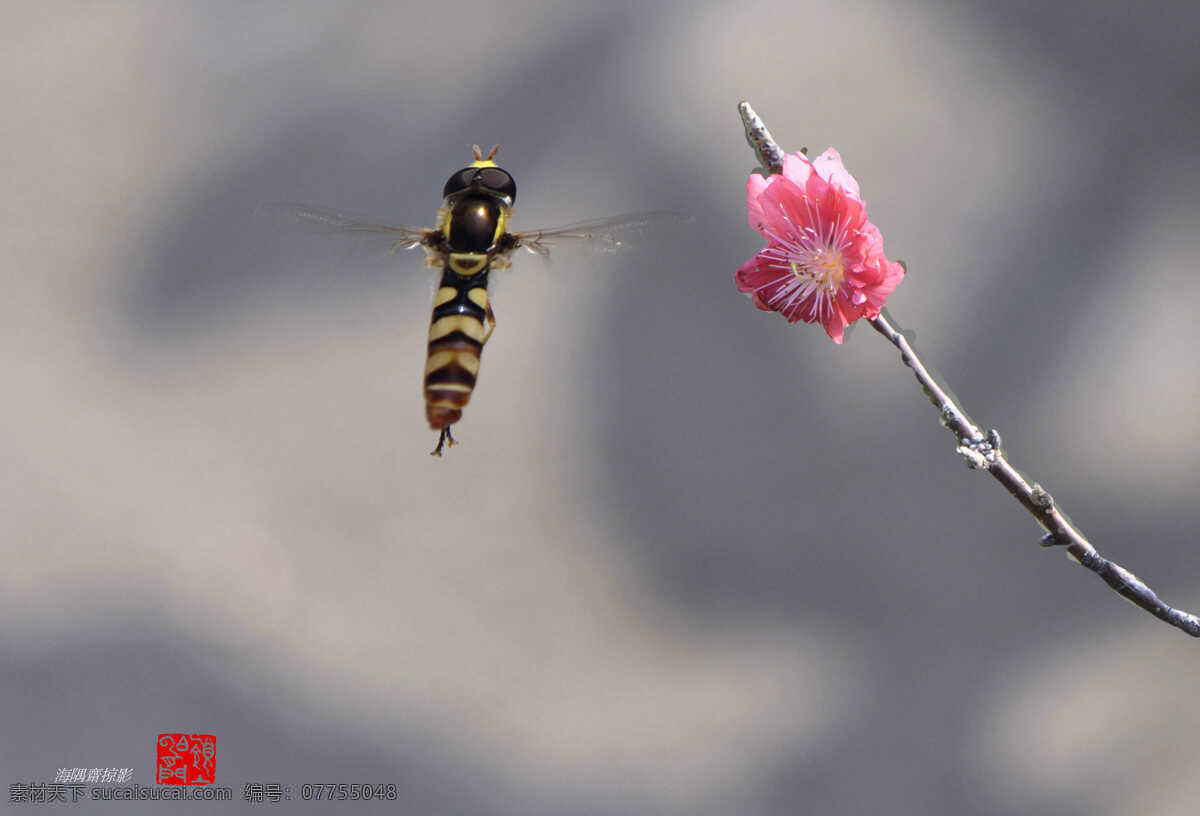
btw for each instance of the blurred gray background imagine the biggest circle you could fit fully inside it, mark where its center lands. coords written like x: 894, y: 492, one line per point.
x: 688, y: 559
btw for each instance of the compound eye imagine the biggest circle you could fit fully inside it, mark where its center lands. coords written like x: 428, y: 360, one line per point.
x: 459, y: 181
x: 493, y: 178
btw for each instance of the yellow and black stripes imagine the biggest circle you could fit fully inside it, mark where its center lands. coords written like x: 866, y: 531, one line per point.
x: 457, y: 334
x: 471, y: 235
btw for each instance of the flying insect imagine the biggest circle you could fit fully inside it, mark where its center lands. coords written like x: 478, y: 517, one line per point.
x: 470, y: 240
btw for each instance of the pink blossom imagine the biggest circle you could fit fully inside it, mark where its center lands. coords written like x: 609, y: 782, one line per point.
x: 824, y: 260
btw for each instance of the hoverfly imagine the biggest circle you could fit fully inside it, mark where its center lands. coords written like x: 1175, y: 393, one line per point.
x: 470, y: 240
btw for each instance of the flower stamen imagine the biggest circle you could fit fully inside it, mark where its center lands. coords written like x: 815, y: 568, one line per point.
x: 825, y: 267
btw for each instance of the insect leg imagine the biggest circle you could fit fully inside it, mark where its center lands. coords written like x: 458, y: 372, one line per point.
x: 491, y: 321
x: 444, y: 438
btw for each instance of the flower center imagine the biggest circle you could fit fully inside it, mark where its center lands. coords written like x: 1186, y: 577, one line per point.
x: 825, y: 268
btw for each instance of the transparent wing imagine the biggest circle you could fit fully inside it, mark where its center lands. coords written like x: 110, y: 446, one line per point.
x: 328, y: 221
x: 603, y: 235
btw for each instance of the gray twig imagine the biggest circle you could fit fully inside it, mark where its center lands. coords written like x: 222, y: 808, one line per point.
x: 984, y: 452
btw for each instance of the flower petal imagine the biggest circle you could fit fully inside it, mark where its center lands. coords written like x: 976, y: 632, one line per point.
x: 835, y: 326
x: 757, y: 278
x: 755, y: 186
x: 787, y: 210
x: 829, y: 167
x: 796, y: 167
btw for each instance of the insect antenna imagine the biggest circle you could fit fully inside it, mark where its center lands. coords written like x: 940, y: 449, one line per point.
x: 478, y: 153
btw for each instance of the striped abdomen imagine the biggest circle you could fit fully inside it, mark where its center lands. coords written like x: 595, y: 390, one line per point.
x: 456, y: 337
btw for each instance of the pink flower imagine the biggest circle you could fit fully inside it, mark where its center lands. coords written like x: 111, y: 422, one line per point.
x: 824, y: 260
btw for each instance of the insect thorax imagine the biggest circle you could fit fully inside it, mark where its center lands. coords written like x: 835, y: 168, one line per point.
x: 473, y: 223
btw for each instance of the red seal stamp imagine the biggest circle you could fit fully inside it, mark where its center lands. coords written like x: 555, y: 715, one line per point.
x: 186, y: 759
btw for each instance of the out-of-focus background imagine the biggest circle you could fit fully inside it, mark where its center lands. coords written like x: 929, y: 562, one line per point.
x: 688, y: 559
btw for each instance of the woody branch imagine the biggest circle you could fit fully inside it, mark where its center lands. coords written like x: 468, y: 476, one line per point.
x: 984, y: 452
